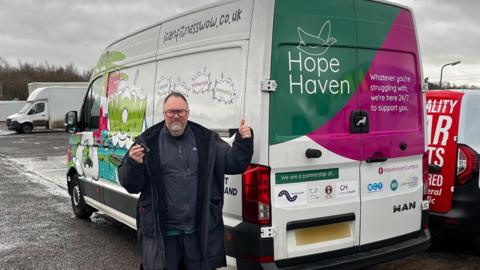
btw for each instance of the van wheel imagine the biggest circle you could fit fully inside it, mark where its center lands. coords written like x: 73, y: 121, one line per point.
x: 80, y: 208
x: 26, y: 128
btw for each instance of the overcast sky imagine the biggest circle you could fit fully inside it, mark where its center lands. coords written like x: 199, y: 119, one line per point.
x: 76, y: 31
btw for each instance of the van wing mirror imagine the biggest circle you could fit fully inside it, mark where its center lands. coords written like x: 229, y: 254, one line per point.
x: 71, y: 121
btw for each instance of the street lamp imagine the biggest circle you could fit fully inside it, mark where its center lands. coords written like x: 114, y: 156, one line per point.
x: 441, y: 70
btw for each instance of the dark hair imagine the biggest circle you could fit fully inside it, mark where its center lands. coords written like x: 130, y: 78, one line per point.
x: 175, y: 94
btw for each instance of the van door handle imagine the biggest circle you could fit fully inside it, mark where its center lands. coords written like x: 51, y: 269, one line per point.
x: 376, y: 159
x: 359, y: 122
x: 313, y: 153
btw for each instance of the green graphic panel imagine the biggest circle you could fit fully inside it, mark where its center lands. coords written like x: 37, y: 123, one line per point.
x: 310, y: 90
x: 306, y: 176
x: 374, y: 21
x: 314, y: 64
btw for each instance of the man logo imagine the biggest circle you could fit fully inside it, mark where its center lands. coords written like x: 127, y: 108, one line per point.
x: 328, y: 189
x: 287, y: 195
x: 404, y: 207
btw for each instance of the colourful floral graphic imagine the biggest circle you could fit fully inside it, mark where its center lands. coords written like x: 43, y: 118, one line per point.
x: 107, y: 61
x: 126, y: 114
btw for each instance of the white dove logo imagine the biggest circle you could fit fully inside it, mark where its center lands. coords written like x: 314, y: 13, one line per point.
x: 323, y: 40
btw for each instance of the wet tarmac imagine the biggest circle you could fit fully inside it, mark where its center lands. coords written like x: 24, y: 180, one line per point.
x: 38, y: 229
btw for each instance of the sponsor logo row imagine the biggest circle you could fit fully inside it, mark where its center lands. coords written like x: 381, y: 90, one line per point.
x: 291, y: 195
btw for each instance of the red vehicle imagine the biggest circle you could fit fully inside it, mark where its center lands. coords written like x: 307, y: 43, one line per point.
x: 453, y: 124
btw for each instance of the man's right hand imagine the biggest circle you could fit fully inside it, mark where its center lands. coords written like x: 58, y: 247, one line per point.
x: 136, y: 153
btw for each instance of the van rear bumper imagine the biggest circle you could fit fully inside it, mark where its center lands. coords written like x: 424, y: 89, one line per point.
x: 250, y: 251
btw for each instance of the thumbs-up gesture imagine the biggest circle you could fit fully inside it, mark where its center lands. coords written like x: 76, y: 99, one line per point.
x: 244, y: 130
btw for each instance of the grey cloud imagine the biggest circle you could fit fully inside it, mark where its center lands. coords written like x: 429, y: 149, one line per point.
x: 448, y: 31
x: 68, y: 31
x: 77, y: 31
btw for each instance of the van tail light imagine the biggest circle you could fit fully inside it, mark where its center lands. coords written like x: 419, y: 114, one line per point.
x: 467, y: 164
x: 256, y: 201
x: 425, y: 174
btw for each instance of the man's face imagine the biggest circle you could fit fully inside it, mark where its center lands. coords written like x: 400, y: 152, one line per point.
x: 175, y: 112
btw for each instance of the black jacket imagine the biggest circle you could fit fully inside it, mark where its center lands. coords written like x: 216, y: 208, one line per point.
x: 216, y: 158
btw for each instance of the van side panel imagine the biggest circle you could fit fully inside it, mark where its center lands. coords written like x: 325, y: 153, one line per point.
x: 212, y: 80
x: 443, y: 112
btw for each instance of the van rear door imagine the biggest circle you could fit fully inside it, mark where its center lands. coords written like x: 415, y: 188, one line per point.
x: 391, y: 99
x: 443, y: 111
x: 315, y: 190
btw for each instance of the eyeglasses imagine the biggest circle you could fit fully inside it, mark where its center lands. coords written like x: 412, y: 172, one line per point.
x: 171, y: 113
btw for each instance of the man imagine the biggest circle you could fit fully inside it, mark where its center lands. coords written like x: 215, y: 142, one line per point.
x: 178, y: 166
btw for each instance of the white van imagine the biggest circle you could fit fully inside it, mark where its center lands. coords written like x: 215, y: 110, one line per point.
x: 333, y: 92
x: 46, y: 107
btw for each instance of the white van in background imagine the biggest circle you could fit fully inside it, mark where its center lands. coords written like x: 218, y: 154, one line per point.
x: 332, y: 90
x: 46, y: 107
x: 34, y: 85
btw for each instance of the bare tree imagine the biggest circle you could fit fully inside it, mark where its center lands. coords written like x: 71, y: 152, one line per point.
x: 14, y: 79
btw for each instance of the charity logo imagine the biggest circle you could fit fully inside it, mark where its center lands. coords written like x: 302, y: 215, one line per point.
x: 313, y: 193
x: 316, y: 44
x: 394, y: 185
x: 328, y: 190
x: 374, y: 187
x: 287, y: 195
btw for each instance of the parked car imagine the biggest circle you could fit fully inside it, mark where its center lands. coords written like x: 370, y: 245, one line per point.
x: 453, y: 122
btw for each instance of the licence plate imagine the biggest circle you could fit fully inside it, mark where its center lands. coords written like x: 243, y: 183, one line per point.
x: 322, y: 233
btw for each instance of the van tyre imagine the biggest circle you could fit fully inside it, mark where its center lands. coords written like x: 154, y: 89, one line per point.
x: 26, y: 128
x: 80, y: 208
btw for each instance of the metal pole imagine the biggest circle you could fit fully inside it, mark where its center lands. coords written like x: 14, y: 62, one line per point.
x: 441, y: 70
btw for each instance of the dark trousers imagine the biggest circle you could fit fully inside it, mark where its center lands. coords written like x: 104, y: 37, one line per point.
x: 182, y: 252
